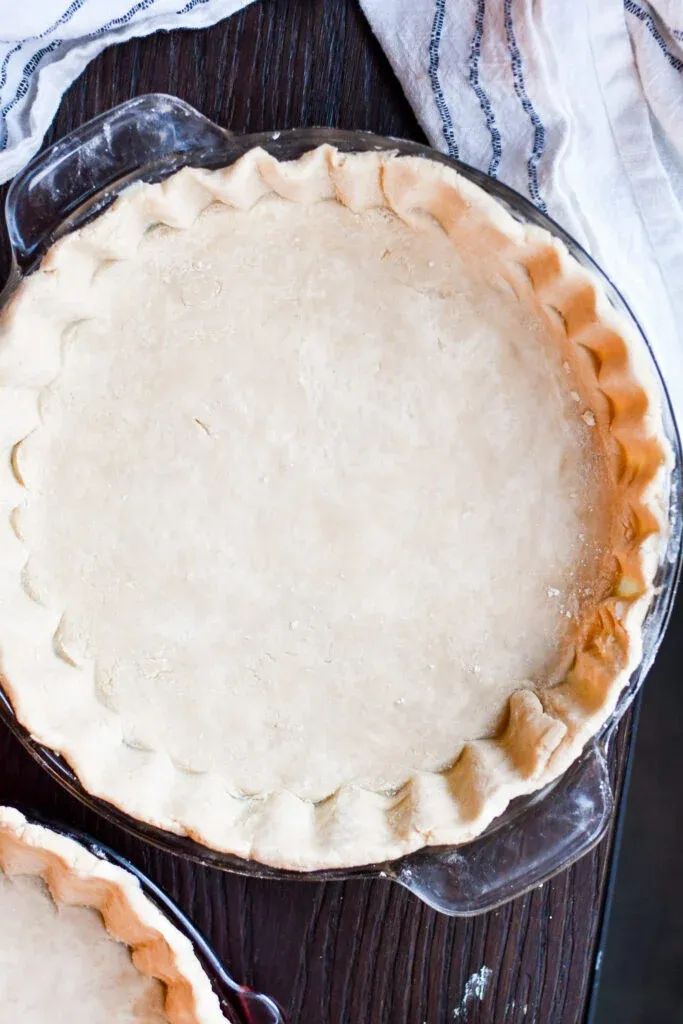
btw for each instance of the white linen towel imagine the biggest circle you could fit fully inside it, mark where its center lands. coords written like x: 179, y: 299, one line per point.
x: 579, y: 106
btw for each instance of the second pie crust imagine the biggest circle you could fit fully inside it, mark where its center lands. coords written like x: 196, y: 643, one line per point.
x: 75, y: 877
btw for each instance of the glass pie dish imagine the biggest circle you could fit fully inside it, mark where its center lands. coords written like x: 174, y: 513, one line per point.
x: 239, y: 1004
x: 152, y: 137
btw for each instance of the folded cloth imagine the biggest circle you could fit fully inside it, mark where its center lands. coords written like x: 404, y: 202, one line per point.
x: 579, y: 106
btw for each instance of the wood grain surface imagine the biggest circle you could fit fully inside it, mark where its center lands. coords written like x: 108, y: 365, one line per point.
x: 358, y: 952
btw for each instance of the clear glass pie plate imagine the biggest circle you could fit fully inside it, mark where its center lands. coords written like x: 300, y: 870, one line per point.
x: 240, y: 1005
x: 149, y: 138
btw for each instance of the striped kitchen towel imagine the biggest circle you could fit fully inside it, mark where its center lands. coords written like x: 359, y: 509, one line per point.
x: 579, y: 106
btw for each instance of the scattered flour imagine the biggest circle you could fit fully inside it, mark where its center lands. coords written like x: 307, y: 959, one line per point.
x: 475, y: 988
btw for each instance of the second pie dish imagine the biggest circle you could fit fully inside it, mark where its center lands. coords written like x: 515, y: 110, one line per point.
x: 83, y: 944
x: 335, y: 495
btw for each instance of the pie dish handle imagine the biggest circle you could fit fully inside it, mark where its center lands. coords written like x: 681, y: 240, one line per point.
x: 521, y: 853
x: 85, y: 165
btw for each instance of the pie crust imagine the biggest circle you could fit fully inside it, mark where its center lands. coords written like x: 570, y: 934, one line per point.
x: 178, y: 990
x: 432, y: 249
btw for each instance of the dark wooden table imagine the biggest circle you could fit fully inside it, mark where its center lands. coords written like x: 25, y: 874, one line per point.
x: 360, y: 952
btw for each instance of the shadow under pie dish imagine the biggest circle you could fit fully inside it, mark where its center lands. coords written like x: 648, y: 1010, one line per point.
x: 82, y: 942
x: 335, y: 495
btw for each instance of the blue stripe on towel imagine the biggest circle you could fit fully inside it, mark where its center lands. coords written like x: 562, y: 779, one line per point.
x: 68, y: 14
x: 520, y: 88
x: 439, y: 98
x: 484, y: 101
x: 190, y: 6
x: 123, y: 19
x: 5, y: 63
x: 23, y: 87
x: 650, y: 24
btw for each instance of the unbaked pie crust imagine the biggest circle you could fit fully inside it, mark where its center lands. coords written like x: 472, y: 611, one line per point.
x: 83, y: 944
x: 332, y: 502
